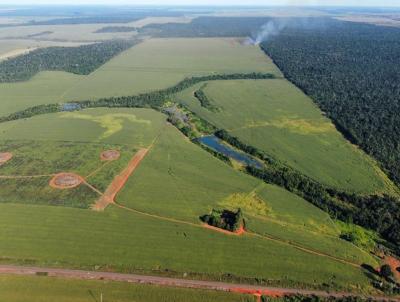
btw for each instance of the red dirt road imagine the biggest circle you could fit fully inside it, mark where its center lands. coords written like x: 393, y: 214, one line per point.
x: 172, y: 282
x: 119, y: 181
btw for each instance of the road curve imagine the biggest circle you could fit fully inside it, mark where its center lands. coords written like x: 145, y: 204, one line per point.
x: 171, y: 282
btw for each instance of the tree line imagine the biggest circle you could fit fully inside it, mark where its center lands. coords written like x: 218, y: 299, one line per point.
x: 374, y: 212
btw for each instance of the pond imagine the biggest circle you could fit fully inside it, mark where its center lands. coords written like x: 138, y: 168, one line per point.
x: 216, y: 144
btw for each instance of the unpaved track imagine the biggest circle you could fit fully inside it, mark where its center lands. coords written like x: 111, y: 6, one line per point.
x: 119, y: 181
x: 171, y: 282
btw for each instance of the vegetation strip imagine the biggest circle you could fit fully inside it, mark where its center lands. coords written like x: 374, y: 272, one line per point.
x: 172, y: 282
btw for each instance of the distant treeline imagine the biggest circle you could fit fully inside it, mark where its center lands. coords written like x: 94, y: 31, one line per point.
x: 79, y: 60
x: 208, y: 27
x: 378, y: 213
x: 115, y: 29
x: 352, y: 71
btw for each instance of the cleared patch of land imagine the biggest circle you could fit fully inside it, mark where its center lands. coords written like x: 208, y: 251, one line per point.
x: 43, y: 289
x: 278, y: 118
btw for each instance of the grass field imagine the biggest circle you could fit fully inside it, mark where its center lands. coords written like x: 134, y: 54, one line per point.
x: 48, y: 144
x: 278, y: 118
x: 151, y: 65
x: 176, y: 180
x: 43, y: 289
x: 134, y: 127
x: 62, y: 33
x: 121, y: 240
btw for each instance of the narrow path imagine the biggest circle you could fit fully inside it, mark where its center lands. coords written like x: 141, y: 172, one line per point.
x: 173, y: 282
x: 119, y: 181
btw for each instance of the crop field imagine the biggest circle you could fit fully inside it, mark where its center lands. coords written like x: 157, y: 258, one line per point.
x: 123, y: 190
x: 38, y: 155
x: 174, y: 181
x: 151, y: 65
x: 123, y: 240
x: 63, y: 33
x: 22, y: 289
x: 158, y: 220
x: 278, y: 118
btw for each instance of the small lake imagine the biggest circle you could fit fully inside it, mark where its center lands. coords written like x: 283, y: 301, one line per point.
x: 216, y: 144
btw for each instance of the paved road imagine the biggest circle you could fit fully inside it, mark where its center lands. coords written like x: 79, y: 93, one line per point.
x: 172, y: 282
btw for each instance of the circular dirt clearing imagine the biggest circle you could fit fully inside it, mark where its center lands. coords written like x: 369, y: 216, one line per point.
x: 110, y: 155
x: 66, y: 181
x: 5, y: 157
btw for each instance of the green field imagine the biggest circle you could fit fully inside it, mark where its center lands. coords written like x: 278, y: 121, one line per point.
x: 151, y: 65
x: 155, y: 228
x: 134, y: 127
x: 71, y: 142
x: 278, y: 118
x: 177, y: 180
x: 121, y: 240
x: 43, y: 289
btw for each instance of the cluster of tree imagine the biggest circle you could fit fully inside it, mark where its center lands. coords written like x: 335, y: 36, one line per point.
x: 204, y: 99
x: 224, y: 219
x: 352, y: 71
x: 79, y: 60
x: 378, y: 213
x: 208, y: 27
x: 116, y: 29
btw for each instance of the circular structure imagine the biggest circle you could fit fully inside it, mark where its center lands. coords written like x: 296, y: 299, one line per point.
x: 65, y: 181
x: 5, y: 157
x: 110, y: 155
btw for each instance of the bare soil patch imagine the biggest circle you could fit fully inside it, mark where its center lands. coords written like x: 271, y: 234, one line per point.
x: 5, y: 157
x: 110, y: 155
x: 66, y: 181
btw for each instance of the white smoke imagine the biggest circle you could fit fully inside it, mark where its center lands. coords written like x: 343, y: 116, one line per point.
x: 269, y: 30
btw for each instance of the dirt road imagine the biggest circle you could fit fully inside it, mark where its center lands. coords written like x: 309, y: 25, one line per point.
x: 119, y: 181
x: 171, y: 282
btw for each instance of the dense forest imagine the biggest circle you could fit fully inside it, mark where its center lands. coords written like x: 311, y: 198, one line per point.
x: 208, y: 27
x: 353, y: 72
x: 79, y: 60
